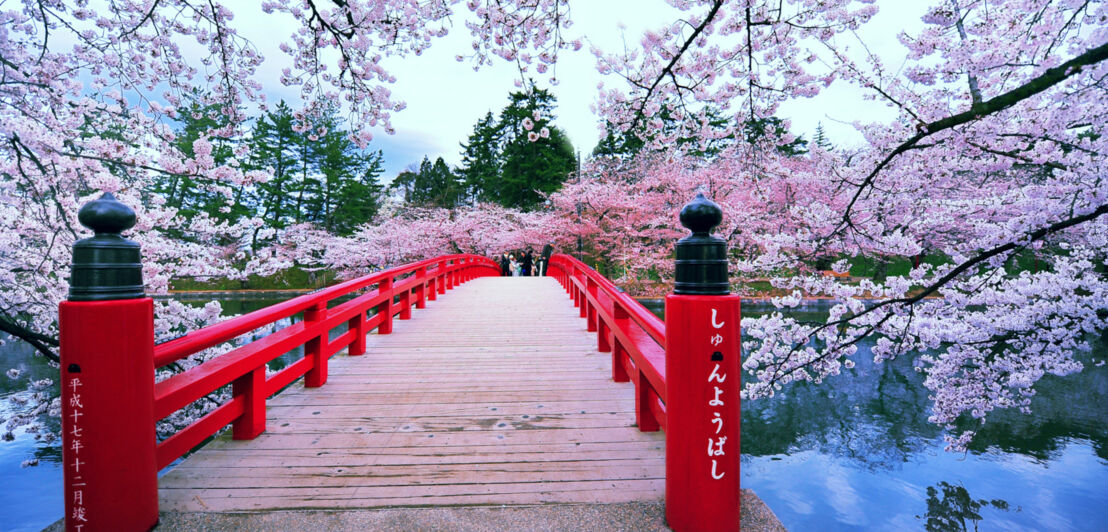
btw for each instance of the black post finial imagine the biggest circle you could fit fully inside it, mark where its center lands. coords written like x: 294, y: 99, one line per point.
x: 106, y: 266
x: 701, y: 258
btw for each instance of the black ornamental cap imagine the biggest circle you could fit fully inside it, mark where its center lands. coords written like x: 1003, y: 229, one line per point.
x: 701, y: 257
x: 106, y: 266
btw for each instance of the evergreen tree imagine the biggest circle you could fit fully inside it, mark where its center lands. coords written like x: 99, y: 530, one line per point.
x: 535, y: 160
x: 773, y: 129
x: 481, y: 159
x: 434, y: 185
x: 821, y: 139
x: 358, y: 198
x: 532, y: 169
x: 275, y: 145
x: 344, y: 191
x: 190, y: 194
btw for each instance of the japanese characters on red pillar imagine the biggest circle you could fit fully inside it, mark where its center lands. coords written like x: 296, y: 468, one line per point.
x: 716, y: 378
x: 77, y: 485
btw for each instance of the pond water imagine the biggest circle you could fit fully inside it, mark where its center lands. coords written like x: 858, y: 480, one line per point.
x: 854, y: 453
x: 857, y: 453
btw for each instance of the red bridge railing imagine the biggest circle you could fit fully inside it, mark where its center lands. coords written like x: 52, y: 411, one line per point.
x: 634, y: 335
x: 110, y: 402
x: 685, y: 370
x: 395, y: 292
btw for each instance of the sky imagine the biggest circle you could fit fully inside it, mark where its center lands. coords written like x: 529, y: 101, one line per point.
x: 446, y: 98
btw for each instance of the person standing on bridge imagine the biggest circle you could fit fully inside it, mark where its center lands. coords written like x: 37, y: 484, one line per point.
x: 540, y: 266
x: 528, y: 262
x: 547, y: 251
x: 504, y: 265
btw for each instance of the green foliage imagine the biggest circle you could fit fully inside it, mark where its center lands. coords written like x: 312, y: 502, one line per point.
x: 319, y: 174
x: 480, y: 168
x: 434, y: 185
x: 773, y: 130
x: 821, y: 138
x: 500, y: 163
x: 627, y: 143
x: 194, y: 194
x: 274, y: 146
x: 291, y: 279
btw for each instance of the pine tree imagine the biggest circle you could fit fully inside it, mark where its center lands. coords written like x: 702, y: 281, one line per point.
x: 530, y: 167
x: 434, y: 185
x: 191, y: 194
x: 481, y: 159
x: 821, y: 139
x: 274, y: 145
x: 358, y: 197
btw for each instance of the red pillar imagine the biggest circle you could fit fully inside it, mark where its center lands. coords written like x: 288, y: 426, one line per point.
x: 107, y: 385
x: 421, y: 288
x: 442, y: 275
x: 590, y: 321
x: 251, y: 387
x: 357, y: 324
x: 106, y: 330
x: 405, y: 304
x: 702, y: 382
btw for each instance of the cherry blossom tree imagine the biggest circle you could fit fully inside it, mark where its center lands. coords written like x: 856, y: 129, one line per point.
x: 997, y: 151
x: 91, y: 92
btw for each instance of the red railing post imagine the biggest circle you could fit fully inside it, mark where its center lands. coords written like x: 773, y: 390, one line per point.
x: 421, y: 288
x: 644, y: 394
x: 450, y: 273
x: 251, y: 387
x: 432, y: 287
x: 405, y: 304
x: 604, y: 334
x: 317, y: 376
x: 384, y: 308
x: 619, y: 352
x: 442, y: 275
x: 702, y: 381
x: 582, y: 299
x: 590, y: 320
x: 357, y: 324
x: 106, y: 330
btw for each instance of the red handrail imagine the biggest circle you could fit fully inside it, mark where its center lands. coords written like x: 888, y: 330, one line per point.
x: 635, y: 336
x: 244, y: 367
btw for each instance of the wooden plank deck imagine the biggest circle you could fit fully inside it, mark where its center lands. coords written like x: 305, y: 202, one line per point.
x: 492, y: 395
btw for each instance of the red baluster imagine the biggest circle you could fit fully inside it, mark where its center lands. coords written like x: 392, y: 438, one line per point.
x: 384, y: 308
x: 317, y: 376
x: 251, y: 387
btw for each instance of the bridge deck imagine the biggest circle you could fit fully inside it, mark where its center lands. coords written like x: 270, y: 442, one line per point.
x: 493, y: 394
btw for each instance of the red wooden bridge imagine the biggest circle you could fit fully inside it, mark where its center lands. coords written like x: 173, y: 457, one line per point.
x: 437, y: 383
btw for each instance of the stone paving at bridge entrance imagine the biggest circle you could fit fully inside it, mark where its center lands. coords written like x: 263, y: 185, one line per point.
x: 494, y: 394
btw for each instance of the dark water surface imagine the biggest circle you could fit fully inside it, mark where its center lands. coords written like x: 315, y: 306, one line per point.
x: 853, y: 453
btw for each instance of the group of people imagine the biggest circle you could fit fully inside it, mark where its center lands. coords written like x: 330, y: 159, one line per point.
x: 525, y: 264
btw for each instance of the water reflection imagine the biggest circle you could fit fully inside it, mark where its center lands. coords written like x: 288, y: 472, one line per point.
x: 951, y: 511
